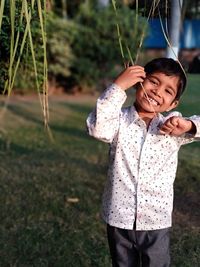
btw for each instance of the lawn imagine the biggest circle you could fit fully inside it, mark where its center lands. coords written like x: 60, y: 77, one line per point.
x: 50, y: 192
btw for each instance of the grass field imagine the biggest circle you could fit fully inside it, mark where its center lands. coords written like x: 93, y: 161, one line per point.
x: 50, y: 193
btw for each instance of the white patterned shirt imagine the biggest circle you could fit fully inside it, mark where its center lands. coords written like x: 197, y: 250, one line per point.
x: 142, y: 164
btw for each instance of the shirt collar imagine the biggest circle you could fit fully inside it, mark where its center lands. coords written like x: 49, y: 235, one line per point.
x: 134, y: 116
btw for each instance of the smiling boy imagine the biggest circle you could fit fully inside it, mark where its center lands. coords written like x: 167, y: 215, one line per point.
x: 138, y: 196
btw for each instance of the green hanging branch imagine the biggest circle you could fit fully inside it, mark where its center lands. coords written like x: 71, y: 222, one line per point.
x: 169, y: 44
x: 12, y: 40
x: 118, y: 31
x: 18, y: 42
x: 45, y: 68
x: 2, y: 5
x: 151, y: 11
x: 121, y: 39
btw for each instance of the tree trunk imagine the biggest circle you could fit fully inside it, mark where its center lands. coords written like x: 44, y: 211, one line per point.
x: 64, y: 9
x: 174, y: 29
x: 103, y: 3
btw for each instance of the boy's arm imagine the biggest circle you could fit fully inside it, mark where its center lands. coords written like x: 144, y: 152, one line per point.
x: 196, y: 126
x: 189, y: 128
x: 103, y: 122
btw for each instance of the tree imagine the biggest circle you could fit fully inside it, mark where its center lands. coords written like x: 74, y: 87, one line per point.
x: 64, y: 9
x: 174, y: 30
x: 103, y: 3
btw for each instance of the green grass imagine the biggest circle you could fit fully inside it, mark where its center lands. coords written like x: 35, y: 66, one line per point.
x: 39, y: 225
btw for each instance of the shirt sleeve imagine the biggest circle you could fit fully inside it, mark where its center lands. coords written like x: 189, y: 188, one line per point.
x: 196, y: 120
x: 188, y: 138
x: 103, y: 121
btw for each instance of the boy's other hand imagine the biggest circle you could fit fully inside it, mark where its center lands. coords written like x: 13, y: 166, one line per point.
x: 177, y: 126
x: 130, y: 76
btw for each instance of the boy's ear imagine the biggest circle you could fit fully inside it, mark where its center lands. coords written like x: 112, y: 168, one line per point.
x: 173, y: 105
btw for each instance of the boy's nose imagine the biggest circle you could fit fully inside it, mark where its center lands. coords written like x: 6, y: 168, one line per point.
x: 157, y: 92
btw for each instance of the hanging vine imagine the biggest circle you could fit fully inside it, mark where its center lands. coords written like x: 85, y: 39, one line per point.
x: 21, y: 40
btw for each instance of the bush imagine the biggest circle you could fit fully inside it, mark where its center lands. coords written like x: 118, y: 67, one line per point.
x: 98, y: 49
x: 59, y: 52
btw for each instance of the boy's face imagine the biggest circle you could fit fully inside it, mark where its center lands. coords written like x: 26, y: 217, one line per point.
x: 161, y: 91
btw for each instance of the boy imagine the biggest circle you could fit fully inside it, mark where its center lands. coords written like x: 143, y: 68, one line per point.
x: 138, y: 196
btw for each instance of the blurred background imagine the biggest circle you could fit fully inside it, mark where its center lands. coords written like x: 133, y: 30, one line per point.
x: 56, y: 57
x: 83, y: 51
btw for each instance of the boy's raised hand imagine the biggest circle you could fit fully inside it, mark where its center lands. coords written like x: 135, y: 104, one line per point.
x: 177, y: 126
x: 130, y: 76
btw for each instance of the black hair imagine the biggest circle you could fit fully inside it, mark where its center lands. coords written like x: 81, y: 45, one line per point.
x: 169, y: 67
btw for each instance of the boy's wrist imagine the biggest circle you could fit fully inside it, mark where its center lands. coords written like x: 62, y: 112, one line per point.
x: 191, y: 127
x: 119, y: 85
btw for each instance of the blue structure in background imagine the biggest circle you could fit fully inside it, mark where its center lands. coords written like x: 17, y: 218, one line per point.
x: 190, y: 35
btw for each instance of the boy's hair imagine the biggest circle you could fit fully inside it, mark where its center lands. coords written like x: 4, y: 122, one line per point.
x: 169, y: 67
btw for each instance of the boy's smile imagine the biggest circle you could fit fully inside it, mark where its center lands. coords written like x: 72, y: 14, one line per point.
x: 158, y: 95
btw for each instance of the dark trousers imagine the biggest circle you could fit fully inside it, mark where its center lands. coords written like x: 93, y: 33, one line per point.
x: 131, y: 248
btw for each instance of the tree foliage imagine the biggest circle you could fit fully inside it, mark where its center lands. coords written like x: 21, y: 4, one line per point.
x: 81, y: 49
x: 88, y: 45
x: 25, y: 78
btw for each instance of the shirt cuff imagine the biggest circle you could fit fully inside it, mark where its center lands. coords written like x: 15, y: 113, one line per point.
x: 196, y: 121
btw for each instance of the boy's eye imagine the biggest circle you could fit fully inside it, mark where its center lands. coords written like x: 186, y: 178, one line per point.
x: 153, y: 82
x: 169, y: 91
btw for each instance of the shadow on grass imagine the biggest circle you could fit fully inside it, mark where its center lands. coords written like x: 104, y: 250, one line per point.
x: 20, y: 150
x: 83, y: 109
x: 70, y: 131
x: 24, y: 113
x: 49, y: 156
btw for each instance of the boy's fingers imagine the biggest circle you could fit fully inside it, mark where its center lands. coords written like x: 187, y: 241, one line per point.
x: 174, y: 121
x: 171, y: 122
x: 140, y: 80
x: 165, y: 130
x: 134, y: 68
x: 130, y: 76
x: 162, y: 132
x: 141, y: 76
x: 138, y: 73
x: 169, y: 126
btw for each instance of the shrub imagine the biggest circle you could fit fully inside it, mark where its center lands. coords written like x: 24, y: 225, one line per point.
x: 59, y: 52
x: 96, y: 48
